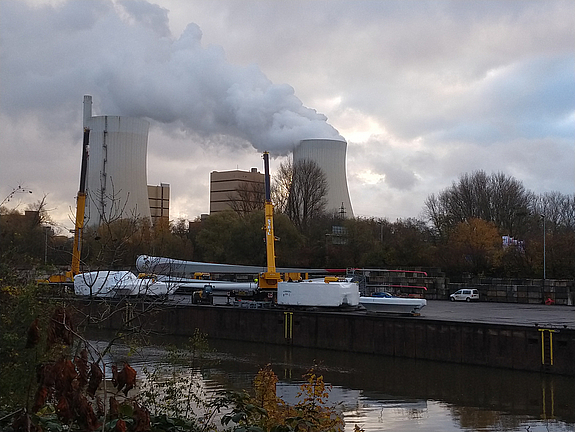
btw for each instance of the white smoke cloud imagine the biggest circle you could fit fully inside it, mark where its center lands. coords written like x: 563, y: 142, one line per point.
x: 125, y: 56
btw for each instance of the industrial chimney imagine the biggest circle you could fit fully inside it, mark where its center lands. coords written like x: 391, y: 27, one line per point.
x: 117, y: 177
x: 329, y: 155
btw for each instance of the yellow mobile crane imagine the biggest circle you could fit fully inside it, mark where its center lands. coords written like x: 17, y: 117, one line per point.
x: 270, y: 278
x: 79, y: 225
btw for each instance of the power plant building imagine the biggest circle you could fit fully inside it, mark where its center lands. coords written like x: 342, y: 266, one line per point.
x: 330, y: 156
x: 117, y: 176
x: 232, y: 189
x: 159, y: 198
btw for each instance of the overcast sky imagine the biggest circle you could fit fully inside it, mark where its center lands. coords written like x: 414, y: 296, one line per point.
x: 423, y: 91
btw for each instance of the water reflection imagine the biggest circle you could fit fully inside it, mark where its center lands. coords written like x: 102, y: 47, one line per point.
x: 391, y: 394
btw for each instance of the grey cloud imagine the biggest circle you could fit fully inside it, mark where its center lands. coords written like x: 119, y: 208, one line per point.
x: 149, y: 15
x: 392, y: 163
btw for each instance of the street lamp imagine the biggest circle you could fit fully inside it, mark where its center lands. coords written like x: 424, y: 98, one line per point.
x: 543, y: 217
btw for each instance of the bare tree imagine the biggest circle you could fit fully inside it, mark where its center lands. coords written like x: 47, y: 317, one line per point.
x: 281, y: 186
x: 110, y: 204
x: 42, y: 213
x: 509, y: 199
x: 496, y: 198
x: 558, y: 208
x: 300, y: 191
x: 247, y: 198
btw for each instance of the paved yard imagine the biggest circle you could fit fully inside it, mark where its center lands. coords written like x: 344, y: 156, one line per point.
x: 501, y: 313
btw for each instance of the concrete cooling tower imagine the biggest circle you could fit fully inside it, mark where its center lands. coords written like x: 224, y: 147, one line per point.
x: 117, y: 176
x: 329, y: 154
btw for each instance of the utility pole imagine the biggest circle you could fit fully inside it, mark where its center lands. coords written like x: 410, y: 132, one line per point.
x: 544, y: 267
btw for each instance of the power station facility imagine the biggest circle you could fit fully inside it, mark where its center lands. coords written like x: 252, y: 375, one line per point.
x: 117, y: 177
x: 229, y: 187
x: 329, y: 155
x: 117, y: 173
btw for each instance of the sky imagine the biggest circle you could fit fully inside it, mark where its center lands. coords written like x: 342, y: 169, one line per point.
x: 422, y: 91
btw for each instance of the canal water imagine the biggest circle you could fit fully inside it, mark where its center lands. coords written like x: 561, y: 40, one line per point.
x: 388, y: 394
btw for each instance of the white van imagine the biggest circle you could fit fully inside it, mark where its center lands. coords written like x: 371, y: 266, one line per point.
x: 465, y: 295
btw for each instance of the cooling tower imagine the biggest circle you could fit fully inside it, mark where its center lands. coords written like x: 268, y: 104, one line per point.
x: 329, y: 154
x: 117, y: 179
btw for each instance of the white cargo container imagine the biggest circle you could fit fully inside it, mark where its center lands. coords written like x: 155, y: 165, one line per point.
x: 318, y: 292
x: 112, y: 283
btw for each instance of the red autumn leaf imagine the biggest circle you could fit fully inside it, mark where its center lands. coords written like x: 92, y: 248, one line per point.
x: 64, y: 411
x: 96, y: 377
x: 33, y: 336
x: 45, y: 374
x: 60, y: 328
x: 81, y: 363
x: 114, y: 408
x: 125, y: 380
x: 40, y: 398
x: 65, y: 374
x: 130, y: 378
x: 120, y: 426
x: 142, y: 418
x: 85, y: 413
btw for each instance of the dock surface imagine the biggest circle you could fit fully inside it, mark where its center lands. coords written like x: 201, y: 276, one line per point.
x: 501, y: 313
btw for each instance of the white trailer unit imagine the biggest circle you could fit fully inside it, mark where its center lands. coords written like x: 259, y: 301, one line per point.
x: 318, y: 292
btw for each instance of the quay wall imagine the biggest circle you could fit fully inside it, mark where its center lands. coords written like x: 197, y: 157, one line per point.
x: 551, y: 350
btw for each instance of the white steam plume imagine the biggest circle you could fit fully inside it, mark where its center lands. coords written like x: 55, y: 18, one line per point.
x: 124, y: 54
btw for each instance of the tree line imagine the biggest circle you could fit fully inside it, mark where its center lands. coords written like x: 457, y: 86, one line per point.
x: 460, y: 231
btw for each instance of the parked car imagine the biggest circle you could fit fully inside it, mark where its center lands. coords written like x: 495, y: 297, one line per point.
x: 382, y: 294
x: 465, y: 295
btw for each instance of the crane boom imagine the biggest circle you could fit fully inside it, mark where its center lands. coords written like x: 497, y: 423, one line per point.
x: 80, y: 207
x: 270, y: 278
x: 79, y: 225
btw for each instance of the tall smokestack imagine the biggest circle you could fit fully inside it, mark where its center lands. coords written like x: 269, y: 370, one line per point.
x: 329, y: 155
x: 87, y: 109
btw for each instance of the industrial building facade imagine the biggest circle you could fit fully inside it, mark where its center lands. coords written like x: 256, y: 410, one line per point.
x: 159, y: 198
x: 236, y: 190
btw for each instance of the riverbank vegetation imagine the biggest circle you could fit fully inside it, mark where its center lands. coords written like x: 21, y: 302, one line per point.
x: 53, y: 379
x: 482, y: 225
